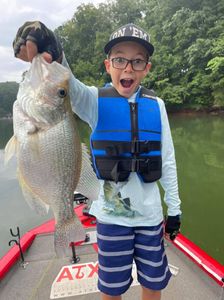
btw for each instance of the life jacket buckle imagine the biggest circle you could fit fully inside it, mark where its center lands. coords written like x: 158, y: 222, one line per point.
x: 135, y: 146
x: 146, y: 146
x: 135, y: 164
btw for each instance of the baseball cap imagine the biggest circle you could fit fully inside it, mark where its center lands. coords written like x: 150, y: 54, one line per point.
x: 130, y: 32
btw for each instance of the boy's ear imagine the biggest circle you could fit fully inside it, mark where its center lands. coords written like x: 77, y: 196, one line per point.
x: 107, y: 65
x: 148, y: 67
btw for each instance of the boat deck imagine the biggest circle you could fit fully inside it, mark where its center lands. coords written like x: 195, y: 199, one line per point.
x: 35, y: 281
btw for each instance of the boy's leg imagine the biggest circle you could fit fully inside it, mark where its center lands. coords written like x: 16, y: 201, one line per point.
x: 148, y: 294
x: 107, y: 297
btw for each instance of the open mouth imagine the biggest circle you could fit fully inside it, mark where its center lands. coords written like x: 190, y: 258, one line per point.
x: 127, y: 83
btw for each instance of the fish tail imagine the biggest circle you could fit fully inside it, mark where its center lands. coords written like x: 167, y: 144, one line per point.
x: 88, y: 185
x: 65, y: 233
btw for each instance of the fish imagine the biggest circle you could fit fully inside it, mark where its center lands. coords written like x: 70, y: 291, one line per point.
x: 52, y: 162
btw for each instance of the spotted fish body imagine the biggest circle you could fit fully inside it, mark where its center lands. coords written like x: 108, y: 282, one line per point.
x: 50, y: 158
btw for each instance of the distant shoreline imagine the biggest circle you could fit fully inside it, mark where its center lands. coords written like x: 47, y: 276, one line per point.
x: 6, y: 118
x: 195, y: 111
x: 216, y: 111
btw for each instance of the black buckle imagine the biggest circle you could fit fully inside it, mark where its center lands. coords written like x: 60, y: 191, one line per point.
x: 135, y: 164
x: 140, y: 146
x: 146, y: 147
x: 135, y: 146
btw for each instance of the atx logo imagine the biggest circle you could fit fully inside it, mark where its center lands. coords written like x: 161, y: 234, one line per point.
x: 78, y: 272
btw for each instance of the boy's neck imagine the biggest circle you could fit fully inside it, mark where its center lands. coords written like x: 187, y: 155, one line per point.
x: 133, y: 97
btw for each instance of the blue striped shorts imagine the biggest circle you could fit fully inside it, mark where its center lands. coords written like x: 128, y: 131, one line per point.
x: 119, y: 245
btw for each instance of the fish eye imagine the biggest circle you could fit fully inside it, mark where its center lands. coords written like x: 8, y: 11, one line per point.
x: 62, y: 92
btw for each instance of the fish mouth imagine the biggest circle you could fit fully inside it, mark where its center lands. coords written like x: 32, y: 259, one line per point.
x: 126, y: 83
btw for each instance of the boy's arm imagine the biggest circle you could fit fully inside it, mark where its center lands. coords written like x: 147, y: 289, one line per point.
x: 169, y: 170
x: 84, y: 99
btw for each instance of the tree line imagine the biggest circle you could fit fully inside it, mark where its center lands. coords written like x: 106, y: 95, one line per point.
x: 8, y: 91
x: 188, y: 62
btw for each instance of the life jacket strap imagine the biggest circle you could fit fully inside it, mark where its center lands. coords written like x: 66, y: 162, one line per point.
x: 114, y: 148
x: 119, y: 168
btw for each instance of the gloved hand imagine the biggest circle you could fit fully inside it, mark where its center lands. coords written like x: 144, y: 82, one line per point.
x: 35, y: 37
x: 172, y: 226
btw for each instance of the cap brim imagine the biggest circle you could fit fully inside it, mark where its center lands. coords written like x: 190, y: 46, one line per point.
x: 149, y: 47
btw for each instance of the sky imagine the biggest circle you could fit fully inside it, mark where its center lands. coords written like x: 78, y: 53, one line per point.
x: 14, y: 13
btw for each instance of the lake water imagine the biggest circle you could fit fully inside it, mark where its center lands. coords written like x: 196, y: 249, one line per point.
x: 14, y: 211
x: 199, y: 147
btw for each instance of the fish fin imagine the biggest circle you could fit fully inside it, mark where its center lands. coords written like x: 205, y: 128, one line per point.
x: 65, y: 233
x: 33, y: 200
x: 10, y: 149
x: 88, y: 185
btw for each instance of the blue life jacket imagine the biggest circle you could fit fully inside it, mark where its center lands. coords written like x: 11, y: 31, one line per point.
x: 127, y: 137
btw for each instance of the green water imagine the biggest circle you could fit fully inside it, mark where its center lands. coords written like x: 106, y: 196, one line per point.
x: 199, y: 146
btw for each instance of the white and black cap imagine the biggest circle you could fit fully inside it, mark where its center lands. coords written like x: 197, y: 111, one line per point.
x: 130, y: 32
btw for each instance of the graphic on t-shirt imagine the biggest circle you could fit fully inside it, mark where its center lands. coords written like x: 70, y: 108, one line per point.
x: 114, y: 203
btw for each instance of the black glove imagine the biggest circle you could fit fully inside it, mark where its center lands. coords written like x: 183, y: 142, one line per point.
x: 43, y: 37
x: 172, y: 226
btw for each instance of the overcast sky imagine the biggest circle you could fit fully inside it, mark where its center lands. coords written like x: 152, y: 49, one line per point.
x: 14, y: 13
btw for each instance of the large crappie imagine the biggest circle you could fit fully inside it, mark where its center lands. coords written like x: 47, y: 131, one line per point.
x: 51, y: 163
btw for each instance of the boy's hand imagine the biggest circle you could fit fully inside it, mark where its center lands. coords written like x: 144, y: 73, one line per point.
x: 172, y: 227
x: 35, y: 37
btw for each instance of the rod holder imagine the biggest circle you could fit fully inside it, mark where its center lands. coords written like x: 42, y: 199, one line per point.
x: 17, y: 242
x: 75, y: 258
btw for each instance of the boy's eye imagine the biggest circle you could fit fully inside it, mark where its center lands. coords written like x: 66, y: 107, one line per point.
x: 138, y: 61
x: 120, y: 60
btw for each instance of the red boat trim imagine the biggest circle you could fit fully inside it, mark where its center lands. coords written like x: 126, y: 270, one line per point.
x: 208, y: 264
x: 213, y: 268
x: 11, y: 257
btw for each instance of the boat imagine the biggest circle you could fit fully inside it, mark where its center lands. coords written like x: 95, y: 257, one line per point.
x: 31, y: 270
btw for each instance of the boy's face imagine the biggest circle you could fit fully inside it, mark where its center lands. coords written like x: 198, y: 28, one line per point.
x: 127, y: 81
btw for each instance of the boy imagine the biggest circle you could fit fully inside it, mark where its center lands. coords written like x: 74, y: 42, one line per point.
x: 131, y: 148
